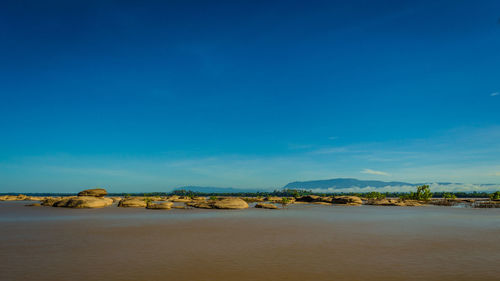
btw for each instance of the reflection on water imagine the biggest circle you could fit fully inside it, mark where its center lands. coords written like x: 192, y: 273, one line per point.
x: 301, y: 242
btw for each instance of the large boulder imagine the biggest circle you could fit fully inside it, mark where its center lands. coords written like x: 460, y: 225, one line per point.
x: 160, y: 206
x: 266, y: 206
x: 132, y: 202
x: 230, y: 203
x: 78, y: 202
x: 96, y: 192
x: 88, y: 202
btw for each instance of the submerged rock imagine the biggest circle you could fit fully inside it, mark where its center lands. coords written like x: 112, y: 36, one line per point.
x: 34, y: 205
x: 322, y: 203
x: 266, y: 206
x: 96, y: 192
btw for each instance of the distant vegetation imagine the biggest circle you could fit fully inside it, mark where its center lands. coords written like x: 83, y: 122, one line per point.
x: 299, y: 192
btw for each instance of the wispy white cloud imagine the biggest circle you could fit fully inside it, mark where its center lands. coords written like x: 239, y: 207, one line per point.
x: 333, y: 138
x: 373, y: 172
x: 435, y: 187
x: 495, y: 94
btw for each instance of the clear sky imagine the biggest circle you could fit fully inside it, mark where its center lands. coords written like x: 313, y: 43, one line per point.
x: 150, y: 95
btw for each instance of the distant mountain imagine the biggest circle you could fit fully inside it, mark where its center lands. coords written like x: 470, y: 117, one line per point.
x: 342, y: 183
x: 210, y: 189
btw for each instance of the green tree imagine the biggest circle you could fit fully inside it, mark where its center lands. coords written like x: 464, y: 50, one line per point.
x: 449, y: 196
x: 495, y: 196
x: 423, y: 193
x: 375, y: 195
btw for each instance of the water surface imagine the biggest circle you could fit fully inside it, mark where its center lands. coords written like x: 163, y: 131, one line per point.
x: 302, y: 242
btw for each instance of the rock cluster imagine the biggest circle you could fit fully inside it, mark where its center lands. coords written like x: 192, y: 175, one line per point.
x: 90, y: 198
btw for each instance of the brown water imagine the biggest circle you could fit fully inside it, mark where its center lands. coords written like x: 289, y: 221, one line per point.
x: 304, y: 242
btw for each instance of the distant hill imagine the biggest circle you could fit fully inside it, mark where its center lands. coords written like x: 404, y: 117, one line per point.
x: 210, y: 189
x: 342, y: 183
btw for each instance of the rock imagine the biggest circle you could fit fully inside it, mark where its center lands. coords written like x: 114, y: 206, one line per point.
x: 230, y: 203
x: 175, y: 198
x: 160, y: 206
x: 78, y: 202
x: 96, y: 192
x: 35, y: 198
x: 224, y: 203
x: 394, y: 202
x: 50, y: 201
x: 266, y: 206
x: 20, y: 197
x: 88, y: 202
x: 115, y: 199
x: 200, y: 204
x: 62, y: 202
x: 382, y: 202
x: 178, y: 207
x: 347, y: 200
x: 409, y: 203
x: 132, y: 202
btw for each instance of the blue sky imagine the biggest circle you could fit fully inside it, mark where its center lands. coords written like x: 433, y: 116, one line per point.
x: 151, y: 95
